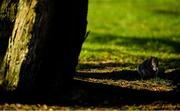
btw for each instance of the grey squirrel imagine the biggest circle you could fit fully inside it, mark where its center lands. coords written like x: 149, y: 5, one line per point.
x: 148, y: 68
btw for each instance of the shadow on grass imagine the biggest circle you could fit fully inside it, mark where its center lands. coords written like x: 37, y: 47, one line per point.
x: 145, y: 43
x: 88, y: 94
x: 173, y: 13
x: 101, y: 95
x: 115, y: 75
x: 88, y: 66
x: 174, y: 76
x: 98, y: 94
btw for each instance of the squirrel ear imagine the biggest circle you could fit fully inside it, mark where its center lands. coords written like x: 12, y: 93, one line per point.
x: 151, y: 57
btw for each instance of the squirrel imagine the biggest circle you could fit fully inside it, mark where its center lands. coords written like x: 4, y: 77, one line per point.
x: 148, y: 68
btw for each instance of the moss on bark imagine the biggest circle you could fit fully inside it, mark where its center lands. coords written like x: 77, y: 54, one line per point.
x: 18, y: 43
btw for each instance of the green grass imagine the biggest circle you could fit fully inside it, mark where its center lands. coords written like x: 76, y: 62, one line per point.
x: 128, y: 31
x: 123, y: 34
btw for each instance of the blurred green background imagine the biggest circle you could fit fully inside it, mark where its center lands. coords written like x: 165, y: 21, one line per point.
x: 129, y: 31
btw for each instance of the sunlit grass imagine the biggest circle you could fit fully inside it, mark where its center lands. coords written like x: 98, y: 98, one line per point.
x: 128, y: 31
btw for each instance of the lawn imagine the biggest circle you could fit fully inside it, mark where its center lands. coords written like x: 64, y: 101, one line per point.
x: 128, y: 31
x: 123, y: 33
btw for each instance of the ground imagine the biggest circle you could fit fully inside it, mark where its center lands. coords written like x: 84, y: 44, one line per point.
x: 123, y: 33
x: 105, y: 88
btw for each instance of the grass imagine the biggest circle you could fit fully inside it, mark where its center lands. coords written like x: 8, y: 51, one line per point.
x: 129, y: 31
x: 122, y: 34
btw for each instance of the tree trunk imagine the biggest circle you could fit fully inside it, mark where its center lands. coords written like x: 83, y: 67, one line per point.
x: 44, y: 46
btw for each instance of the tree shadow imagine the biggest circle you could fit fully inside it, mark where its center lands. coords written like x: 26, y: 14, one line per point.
x: 115, y: 75
x: 173, y: 13
x: 101, y: 95
x: 88, y: 66
x: 145, y: 43
x: 174, y: 76
x: 89, y: 94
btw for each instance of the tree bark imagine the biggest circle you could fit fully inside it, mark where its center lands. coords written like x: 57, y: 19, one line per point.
x: 44, y: 46
x: 8, y: 10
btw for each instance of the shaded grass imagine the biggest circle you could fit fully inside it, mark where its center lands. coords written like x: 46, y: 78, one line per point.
x: 90, y: 94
